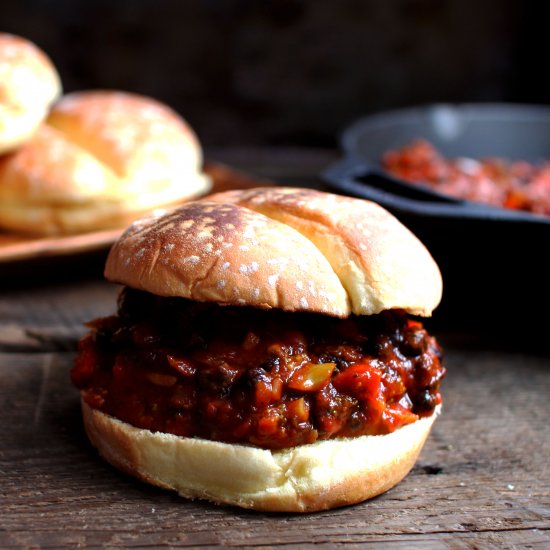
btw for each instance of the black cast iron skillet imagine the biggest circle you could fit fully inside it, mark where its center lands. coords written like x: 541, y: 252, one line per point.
x: 494, y: 261
x: 515, y: 132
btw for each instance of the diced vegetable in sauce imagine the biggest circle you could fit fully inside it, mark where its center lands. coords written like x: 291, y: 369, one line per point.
x: 265, y: 378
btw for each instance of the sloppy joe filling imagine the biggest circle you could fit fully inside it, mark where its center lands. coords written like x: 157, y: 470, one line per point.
x: 267, y: 378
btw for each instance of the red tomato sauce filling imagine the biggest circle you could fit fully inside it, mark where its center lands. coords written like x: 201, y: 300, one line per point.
x: 518, y: 185
x: 267, y: 378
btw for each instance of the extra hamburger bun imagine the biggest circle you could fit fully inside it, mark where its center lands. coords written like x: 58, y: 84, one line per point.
x: 296, y: 250
x: 101, y: 160
x: 29, y: 85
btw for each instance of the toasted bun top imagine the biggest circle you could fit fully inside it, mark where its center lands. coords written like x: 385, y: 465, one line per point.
x: 287, y: 248
x: 29, y: 84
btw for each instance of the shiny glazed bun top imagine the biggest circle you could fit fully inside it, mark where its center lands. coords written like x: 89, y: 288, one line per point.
x: 287, y: 248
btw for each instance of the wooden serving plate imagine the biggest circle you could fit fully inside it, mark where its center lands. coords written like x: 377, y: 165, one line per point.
x: 15, y: 247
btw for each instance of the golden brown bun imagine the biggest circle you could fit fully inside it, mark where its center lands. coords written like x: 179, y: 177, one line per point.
x: 307, y: 478
x: 29, y: 84
x: 102, y: 160
x: 286, y: 248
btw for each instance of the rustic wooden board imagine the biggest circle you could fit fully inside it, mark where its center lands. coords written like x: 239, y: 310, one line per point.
x: 483, y: 478
x: 482, y: 481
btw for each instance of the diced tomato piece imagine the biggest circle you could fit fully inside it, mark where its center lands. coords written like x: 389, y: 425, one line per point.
x: 396, y: 416
x: 94, y: 399
x: 276, y: 389
x: 263, y: 392
x: 299, y: 409
x: 268, y: 424
x: 361, y: 380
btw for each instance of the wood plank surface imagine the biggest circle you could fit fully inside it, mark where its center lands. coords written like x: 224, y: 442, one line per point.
x: 482, y: 480
x: 483, y: 477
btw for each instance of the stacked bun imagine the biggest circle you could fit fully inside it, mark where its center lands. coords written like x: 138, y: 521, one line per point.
x: 292, y: 260
x: 29, y: 85
x: 94, y: 160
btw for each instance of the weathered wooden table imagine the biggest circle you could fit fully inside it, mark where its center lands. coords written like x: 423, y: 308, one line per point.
x: 482, y: 481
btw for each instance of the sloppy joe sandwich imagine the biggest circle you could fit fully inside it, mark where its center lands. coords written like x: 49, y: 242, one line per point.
x: 29, y: 85
x: 101, y: 160
x: 267, y: 351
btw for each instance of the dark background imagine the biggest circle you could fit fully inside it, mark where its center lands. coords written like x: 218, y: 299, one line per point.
x: 291, y: 72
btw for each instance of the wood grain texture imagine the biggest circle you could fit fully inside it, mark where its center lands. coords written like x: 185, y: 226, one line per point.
x: 483, y: 478
x: 482, y: 481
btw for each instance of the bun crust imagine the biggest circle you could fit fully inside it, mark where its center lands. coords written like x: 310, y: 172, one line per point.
x: 286, y: 248
x: 308, y: 478
x: 29, y: 84
x: 102, y: 160
x: 380, y: 263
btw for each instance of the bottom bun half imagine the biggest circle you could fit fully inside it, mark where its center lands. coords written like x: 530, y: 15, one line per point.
x: 326, y: 474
